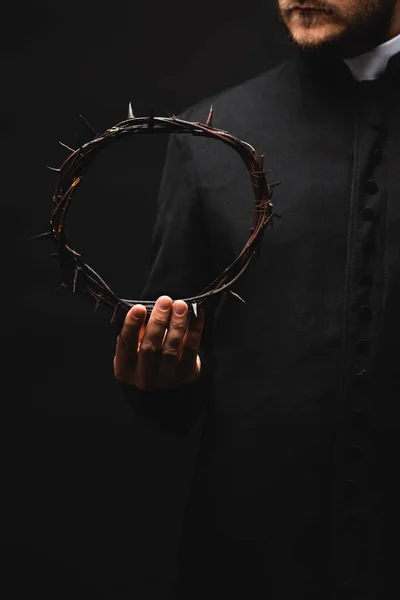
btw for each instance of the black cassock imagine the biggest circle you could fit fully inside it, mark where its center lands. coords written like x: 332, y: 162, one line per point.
x: 296, y: 492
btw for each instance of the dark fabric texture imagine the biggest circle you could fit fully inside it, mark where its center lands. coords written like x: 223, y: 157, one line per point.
x: 295, y: 494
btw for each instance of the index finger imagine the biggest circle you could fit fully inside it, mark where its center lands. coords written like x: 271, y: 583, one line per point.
x: 125, y: 358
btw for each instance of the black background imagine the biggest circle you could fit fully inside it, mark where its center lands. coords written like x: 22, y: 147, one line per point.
x: 92, y: 503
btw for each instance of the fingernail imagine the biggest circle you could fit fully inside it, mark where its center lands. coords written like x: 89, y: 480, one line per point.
x: 137, y: 312
x: 179, y: 309
x: 164, y: 303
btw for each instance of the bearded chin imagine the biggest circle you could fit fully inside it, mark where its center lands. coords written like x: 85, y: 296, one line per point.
x: 358, y: 37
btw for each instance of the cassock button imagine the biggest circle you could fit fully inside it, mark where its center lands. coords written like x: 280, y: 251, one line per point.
x: 366, y: 279
x: 356, y: 454
x: 360, y: 379
x: 378, y: 155
x: 365, y: 312
x: 358, y: 419
x: 350, y: 491
x: 371, y: 187
x: 368, y: 246
x: 352, y: 523
x: 368, y: 213
x: 376, y: 120
x: 362, y: 346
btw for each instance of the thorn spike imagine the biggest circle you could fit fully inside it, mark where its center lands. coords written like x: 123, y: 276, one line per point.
x: 90, y: 128
x: 237, y: 296
x: 65, y: 146
x: 274, y: 185
x: 210, y: 116
x: 75, y: 278
x: 151, y: 119
x: 114, y: 313
x: 194, y: 308
x: 41, y: 236
x: 130, y: 111
x: 53, y: 169
x: 79, y: 141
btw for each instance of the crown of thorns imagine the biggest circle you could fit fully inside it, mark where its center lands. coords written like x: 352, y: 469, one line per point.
x: 79, y: 276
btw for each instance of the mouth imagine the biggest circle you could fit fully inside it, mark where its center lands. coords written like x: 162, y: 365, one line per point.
x: 312, y: 13
x: 309, y: 9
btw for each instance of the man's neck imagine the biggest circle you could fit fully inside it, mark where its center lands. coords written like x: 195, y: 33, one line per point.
x: 395, y: 26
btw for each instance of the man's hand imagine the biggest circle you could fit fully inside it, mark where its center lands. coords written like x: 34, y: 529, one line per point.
x: 162, y: 354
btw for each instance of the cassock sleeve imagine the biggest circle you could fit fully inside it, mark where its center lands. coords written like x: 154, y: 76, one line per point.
x: 180, y: 266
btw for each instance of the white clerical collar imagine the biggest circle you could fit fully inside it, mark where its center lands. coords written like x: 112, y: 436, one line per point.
x: 372, y: 65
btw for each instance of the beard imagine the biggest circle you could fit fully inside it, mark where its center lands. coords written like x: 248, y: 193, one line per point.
x: 360, y: 25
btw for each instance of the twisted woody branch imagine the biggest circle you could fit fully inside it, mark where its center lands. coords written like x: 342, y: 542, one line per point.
x: 79, y: 276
